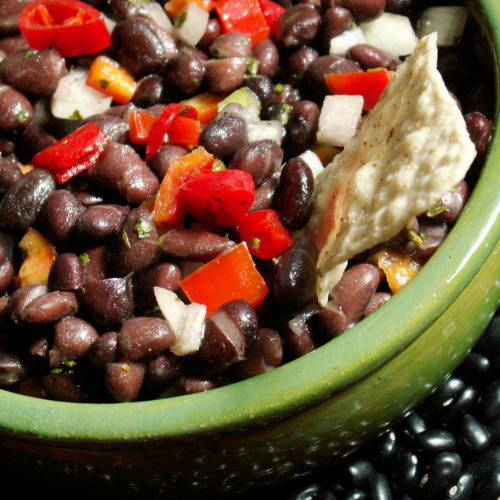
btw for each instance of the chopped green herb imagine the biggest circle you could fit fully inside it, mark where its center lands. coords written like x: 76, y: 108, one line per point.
x: 255, y: 244
x: 279, y: 88
x: 103, y: 84
x: 183, y: 111
x: 76, y: 115
x: 85, y: 258
x: 417, y: 238
x: 23, y: 116
x: 30, y: 53
x: 436, y: 209
x: 57, y: 370
x: 137, y: 3
x: 142, y: 227
x: 179, y: 20
x: 125, y: 239
x: 284, y: 113
x: 253, y: 66
x: 69, y: 363
x: 126, y: 368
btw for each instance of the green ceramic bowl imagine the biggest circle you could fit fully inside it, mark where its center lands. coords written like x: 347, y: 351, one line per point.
x: 286, y: 422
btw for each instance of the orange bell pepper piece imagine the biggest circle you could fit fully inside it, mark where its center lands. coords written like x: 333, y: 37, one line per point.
x: 206, y: 104
x: 175, y: 7
x: 398, y: 268
x: 231, y: 275
x: 140, y: 124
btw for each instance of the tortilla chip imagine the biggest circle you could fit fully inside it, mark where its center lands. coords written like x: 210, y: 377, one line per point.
x: 412, y: 148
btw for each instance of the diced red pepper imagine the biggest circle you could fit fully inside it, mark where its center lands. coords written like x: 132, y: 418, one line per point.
x: 272, y: 12
x: 140, y: 124
x: 220, y: 198
x: 368, y: 84
x: 168, y: 210
x: 72, y: 27
x: 265, y: 234
x: 243, y: 16
x: 163, y: 124
x: 113, y: 80
x: 184, y: 131
x: 231, y: 275
x: 206, y: 105
x: 175, y: 7
x: 73, y: 154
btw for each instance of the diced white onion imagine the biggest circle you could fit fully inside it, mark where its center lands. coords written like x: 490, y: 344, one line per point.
x: 74, y: 98
x: 172, y: 308
x: 339, y: 45
x: 156, y: 13
x: 247, y: 99
x: 313, y: 161
x: 390, y: 32
x: 339, y: 119
x: 265, y: 129
x: 193, y: 26
x: 447, y: 21
x: 110, y: 23
x: 192, y: 330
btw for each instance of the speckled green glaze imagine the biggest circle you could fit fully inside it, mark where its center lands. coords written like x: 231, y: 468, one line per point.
x: 288, y: 421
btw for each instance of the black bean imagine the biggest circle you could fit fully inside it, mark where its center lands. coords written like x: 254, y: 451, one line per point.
x: 489, y: 402
x: 334, y: 22
x: 124, y: 380
x: 413, y: 424
x: 489, y: 343
x: 260, y: 159
x: 377, y: 300
x: 21, y: 298
x: 7, y: 274
x: 385, y: 447
x: 59, y: 215
x: 11, y: 44
x: 24, y: 200
x: 11, y: 368
x: 245, y: 317
x: 489, y: 486
x: 16, y: 111
x: 309, y: 492
x: 435, y: 440
x: 88, y: 198
x: 64, y: 386
x: 135, y: 245
x: 475, y: 368
x: 72, y: 339
x: 144, y: 338
x: 162, y: 370
x: 323, y: 65
x: 480, y: 130
x: 33, y: 71
x: 222, y: 76
x: 32, y: 386
x: 265, y: 194
x: 379, y: 487
x: 143, y: 46
x: 50, y: 307
x: 104, y: 349
x: 224, y: 135
x: 66, y: 273
x: 115, y: 128
x: 294, y: 196
x: 363, y: 9
x: 461, y: 489
x: 35, y: 139
x: 294, y: 282
x: 484, y: 462
x: 298, y: 335
x: 9, y: 173
x: 265, y: 354
x: 406, y: 470
x: 121, y: 169
x: 150, y: 90
x: 297, y: 63
x: 369, y: 57
x: 262, y: 87
x: 164, y: 157
x: 125, y: 9
x: 474, y: 436
x: 459, y: 405
x: 193, y: 384
x: 399, y: 6
x: 231, y: 45
x: 352, y: 495
x: 447, y: 390
x: 96, y: 265
x: 39, y: 347
x: 356, y: 472
x: 267, y: 54
x: 9, y: 13
x: 302, y: 127
x: 444, y: 468
x: 451, y: 204
x: 212, y: 31
x: 100, y: 221
x: 193, y: 245
x: 298, y: 25
x: 186, y: 72
x: 109, y: 301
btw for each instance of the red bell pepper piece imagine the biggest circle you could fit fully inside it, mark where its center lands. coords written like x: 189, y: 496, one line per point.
x: 272, y: 12
x: 184, y: 131
x: 73, y: 154
x: 231, y: 275
x: 220, y: 198
x: 72, y: 27
x: 140, y: 124
x: 206, y: 105
x: 163, y: 124
x: 369, y: 84
x: 168, y: 209
x: 265, y: 234
x: 243, y: 16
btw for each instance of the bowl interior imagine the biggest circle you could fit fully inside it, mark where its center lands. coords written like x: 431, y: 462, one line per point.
x: 317, y: 375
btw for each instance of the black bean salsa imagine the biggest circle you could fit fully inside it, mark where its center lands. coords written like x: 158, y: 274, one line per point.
x: 156, y: 163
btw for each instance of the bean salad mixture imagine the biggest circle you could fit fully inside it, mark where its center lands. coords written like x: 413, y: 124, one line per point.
x: 157, y: 163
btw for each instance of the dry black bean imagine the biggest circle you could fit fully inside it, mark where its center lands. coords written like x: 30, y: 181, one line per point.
x: 16, y: 111
x: 21, y: 298
x: 489, y: 486
x: 369, y: 56
x: 143, y: 46
x: 11, y: 368
x: 186, y: 72
x: 406, y: 471
x: 109, y: 301
x: 135, y: 245
x: 461, y: 489
x: 33, y: 71
x: 298, y: 25
x: 193, y: 245
x: 104, y: 349
x: 295, y: 276
x: 379, y: 487
x: 435, y: 440
x: 363, y: 9
x: 64, y: 386
x: 474, y: 436
x: 386, y: 446
x: 447, y: 390
x: 302, y: 127
x: 222, y: 76
x: 121, y: 169
x: 231, y: 44
x: 66, y: 273
x: 9, y: 173
x: 457, y: 406
x: 475, y: 368
x: 444, y: 468
x: 334, y: 22
x: 100, y: 221
x: 413, y: 424
x: 165, y: 275
x: 264, y: 355
x: 260, y: 159
x: 72, y: 339
x: 124, y: 380
x: 267, y: 54
x: 489, y: 403
x: 50, y: 307
x: 143, y: 338
x: 224, y: 135
x: 24, y: 200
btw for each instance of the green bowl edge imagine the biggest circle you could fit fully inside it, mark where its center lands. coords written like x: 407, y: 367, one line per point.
x: 307, y: 380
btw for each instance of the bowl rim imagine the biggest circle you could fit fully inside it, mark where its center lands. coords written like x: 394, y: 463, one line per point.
x: 314, y: 377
